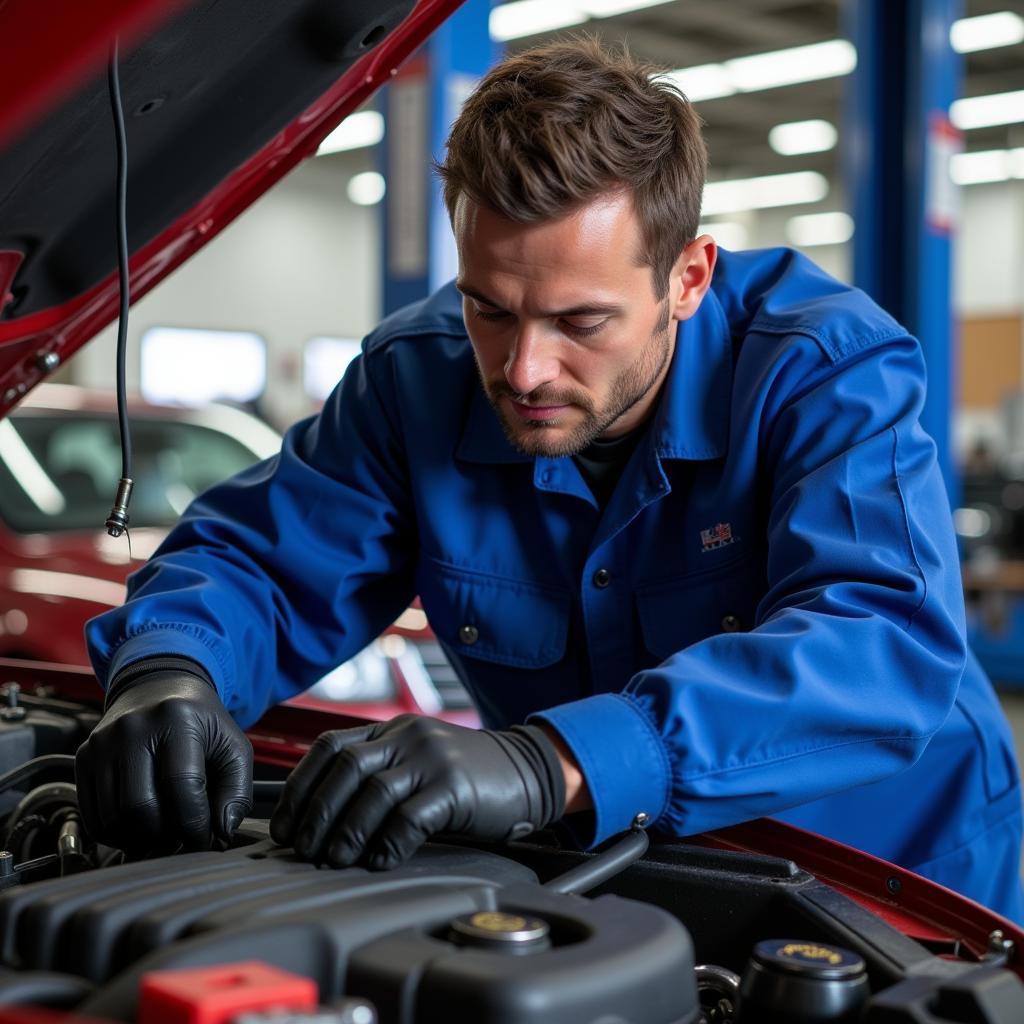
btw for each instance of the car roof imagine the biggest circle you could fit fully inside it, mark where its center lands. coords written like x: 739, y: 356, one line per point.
x: 221, y: 97
x: 71, y: 399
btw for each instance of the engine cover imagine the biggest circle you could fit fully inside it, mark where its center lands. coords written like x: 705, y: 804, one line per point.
x: 454, y: 935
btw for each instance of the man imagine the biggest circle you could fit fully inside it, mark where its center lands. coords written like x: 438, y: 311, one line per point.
x: 671, y: 508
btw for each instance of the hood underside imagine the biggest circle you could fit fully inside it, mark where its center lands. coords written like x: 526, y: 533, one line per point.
x: 221, y: 99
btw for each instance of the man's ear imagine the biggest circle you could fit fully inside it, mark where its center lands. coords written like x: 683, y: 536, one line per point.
x: 691, y: 277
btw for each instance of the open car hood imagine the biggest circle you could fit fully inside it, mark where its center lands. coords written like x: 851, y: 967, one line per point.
x: 221, y: 97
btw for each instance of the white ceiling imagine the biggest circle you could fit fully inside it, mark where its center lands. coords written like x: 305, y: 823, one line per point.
x: 685, y: 33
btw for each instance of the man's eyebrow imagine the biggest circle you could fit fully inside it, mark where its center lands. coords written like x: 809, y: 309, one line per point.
x: 585, y: 309
x: 474, y: 294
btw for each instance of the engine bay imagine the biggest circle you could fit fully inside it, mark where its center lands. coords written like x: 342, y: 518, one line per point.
x: 670, y: 932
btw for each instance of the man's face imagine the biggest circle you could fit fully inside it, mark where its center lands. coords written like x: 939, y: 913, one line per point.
x: 569, y: 338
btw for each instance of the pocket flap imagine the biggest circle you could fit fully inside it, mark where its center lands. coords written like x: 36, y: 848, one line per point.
x: 677, y: 613
x: 506, y: 621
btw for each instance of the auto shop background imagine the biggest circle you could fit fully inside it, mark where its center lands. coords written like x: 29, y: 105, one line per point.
x: 931, y: 223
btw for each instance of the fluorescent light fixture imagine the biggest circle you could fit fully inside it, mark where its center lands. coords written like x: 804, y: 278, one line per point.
x: 609, y: 8
x: 703, y: 82
x: 986, y: 32
x: 793, y: 65
x: 234, y: 365
x: 357, y: 131
x: 987, y: 166
x: 985, y: 111
x: 765, y: 70
x: 803, y: 137
x: 739, y: 194
x: 530, y: 17
x: 820, y: 229
x: 366, y: 189
x: 729, y: 234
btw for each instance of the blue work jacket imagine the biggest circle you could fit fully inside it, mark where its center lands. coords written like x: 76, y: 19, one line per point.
x: 765, y: 619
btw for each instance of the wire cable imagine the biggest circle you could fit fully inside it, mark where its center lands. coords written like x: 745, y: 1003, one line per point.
x: 117, y: 521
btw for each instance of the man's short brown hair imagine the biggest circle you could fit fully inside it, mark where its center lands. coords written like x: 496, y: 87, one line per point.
x: 554, y: 127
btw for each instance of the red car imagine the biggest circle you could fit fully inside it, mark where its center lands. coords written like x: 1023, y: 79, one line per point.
x: 754, y: 924
x: 59, y: 467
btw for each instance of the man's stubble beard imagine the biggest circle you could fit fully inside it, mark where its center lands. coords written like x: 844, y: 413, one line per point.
x: 627, y: 389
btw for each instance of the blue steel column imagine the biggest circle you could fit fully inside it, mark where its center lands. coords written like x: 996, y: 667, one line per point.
x: 898, y: 141
x: 418, y: 253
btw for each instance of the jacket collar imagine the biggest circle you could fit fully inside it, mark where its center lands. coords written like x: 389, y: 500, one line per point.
x: 691, y: 420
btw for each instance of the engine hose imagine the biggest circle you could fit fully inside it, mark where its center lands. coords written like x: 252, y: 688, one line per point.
x: 32, y: 768
x: 602, y: 866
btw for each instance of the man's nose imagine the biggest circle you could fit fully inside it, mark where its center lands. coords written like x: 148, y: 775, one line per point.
x: 531, y: 363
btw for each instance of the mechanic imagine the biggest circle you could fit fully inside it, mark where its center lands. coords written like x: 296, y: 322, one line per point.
x: 669, y: 510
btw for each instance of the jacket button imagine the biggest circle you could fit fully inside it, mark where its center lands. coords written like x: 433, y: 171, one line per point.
x: 469, y: 634
x: 602, y: 578
x: 730, y: 624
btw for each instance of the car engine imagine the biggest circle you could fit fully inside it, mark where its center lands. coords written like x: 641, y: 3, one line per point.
x: 666, y: 933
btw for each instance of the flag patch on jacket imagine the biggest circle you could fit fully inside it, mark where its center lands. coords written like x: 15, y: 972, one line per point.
x: 716, y: 537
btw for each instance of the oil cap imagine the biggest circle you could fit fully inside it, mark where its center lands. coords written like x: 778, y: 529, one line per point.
x: 802, y: 982
x: 501, y: 932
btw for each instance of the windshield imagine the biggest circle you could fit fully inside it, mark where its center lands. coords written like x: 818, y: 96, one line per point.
x: 59, y: 470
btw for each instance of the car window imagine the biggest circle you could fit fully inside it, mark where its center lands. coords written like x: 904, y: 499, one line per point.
x: 59, y: 471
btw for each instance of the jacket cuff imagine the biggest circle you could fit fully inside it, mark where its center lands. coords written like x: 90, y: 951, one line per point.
x: 163, y: 643
x: 620, y: 755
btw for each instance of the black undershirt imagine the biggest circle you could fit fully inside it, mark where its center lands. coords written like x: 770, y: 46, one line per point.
x: 602, y: 463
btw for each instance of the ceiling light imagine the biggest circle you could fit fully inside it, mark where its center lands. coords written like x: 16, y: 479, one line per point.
x: 987, y: 166
x: 820, y: 229
x: 366, y: 189
x: 729, y: 234
x: 983, y: 166
x: 609, y: 8
x: 765, y: 70
x: 793, y: 65
x: 986, y: 32
x: 703, y: 82
x: 357, y: 130
x: 803, y: 137
x: 984, y: 111
x: 760, y: 193
x: 528, y: 17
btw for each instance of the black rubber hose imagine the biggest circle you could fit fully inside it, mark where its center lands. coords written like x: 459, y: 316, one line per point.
x: 602, y: 866
x: 31, y: 768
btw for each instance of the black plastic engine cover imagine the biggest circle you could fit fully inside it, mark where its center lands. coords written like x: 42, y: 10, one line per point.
x: 384, y: 936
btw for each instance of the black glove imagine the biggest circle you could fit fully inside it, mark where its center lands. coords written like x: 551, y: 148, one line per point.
x: 376, y: 792
x: 166, y: 765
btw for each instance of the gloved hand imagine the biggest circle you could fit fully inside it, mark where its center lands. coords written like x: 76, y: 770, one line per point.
x: 166, y: 765
x: 376, y: 792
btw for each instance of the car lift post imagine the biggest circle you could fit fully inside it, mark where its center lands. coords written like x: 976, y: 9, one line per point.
x: 898, y: 144
x: 418, y: 251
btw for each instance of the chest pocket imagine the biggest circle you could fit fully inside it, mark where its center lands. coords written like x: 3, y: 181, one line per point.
x: 510, y: 622
x: 675, y: 613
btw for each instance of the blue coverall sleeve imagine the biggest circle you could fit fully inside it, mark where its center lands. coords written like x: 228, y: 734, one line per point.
x: 323, y: 527
x: 857, y: 649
